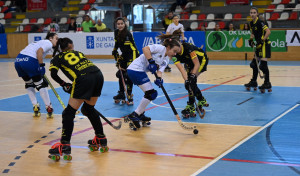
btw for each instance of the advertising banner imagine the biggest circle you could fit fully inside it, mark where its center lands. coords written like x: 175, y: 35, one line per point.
x: 143, y: 39
x: 3, y: 44
x: 37, y: 4
x: 293, y: 37
x: 93, y: 43
x: 237, y: 41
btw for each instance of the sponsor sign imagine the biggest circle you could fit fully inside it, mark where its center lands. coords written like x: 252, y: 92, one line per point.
x: 37, y: 4
x: 3, y: 44
x: 293, y: 37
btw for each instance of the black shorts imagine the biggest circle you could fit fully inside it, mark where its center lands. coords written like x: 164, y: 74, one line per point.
x: 87, y: 86
x: 265, y: 51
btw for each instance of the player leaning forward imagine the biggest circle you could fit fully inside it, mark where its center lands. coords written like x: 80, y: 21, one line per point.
x: 155, y: 58
x: 86, y: 88
x: 29, y: 65
x: 260, y: 32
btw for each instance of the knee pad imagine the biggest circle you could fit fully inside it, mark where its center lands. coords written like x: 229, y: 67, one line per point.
x: 118, y: 74
x: 88, y: 110
x: 41, y: 84
x: 253, y: 64
x: 29, y: 84
x: 68, y: 114
x: 263, y: 66
x: 150, y: 94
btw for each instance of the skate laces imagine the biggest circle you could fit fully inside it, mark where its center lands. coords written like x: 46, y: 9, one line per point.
x: 190, y: 107
x: 202, y: 102
x: 49, y: 109
x: 95, y: 140
x: 59, y: 146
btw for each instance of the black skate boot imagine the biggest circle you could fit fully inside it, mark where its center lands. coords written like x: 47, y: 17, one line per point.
x: 59, y: 149
x: 145, y: 120
x: 134, y: 121
x: 119, y: 98
x: 167, y: 69
x: 265, y: 85
x: 130, y: 99
x: 252, y: 84
x: 189, y: 111
x: 49, y: 110
x: 98, y: 142
x: 36, y: 110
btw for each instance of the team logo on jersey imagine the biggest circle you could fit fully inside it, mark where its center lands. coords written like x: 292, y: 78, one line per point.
x: 37, y: 38
x: 90, y: 42
x: 216, y: 40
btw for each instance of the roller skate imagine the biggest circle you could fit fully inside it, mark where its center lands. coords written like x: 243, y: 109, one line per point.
x: 130, y: 100
x: 119, y: 98
x: 252, y: 84
x: 167, y: 69
x: 265, y: 85
x: 49, y: 112
x: 188, y: 112
x: 200, y: 105
x: 58, y: 150
x: 134, y: 121
x: 36, y: 110
x: 145, y: 120
x: 98, y: 142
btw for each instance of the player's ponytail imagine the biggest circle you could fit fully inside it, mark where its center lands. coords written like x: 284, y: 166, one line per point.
x: 170, y: 40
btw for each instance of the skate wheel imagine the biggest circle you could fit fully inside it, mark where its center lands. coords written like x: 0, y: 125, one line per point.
x: 206, y: 105
x: 129, y: 103
x: 54, y: 157
x: 123, y: 101
x: 186, y: 116
x: 255, y: 88
x: 49, y: 116
x: 262, y: 90
x: 37, y: 114
x: 269, y: 90
x: 93, y: 148
x: 117, y: 101
x: 68, y: 157
x: 104, y: 149
x: 131, y: 126
x: 193, y: 115
x: 248, y: 88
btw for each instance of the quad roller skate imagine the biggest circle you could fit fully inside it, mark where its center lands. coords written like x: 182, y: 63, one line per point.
x: 188, y: 112
x: 145, y: 120
x: 130, y: 100
x: 119, y: 98
x: 202, y: 103
x: 265, y: 85
x: 98, y: 142
x: 58, y: 150
x: 134, y: 121
x: 49, y: 112
x: 252, y: 84
x: 36, y: 110
x: 167, y: 69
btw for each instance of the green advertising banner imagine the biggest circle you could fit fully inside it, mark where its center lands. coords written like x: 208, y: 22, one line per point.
x: 237, y: 41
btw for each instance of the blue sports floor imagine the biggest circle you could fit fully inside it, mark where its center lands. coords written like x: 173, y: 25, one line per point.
x: 273, y: 150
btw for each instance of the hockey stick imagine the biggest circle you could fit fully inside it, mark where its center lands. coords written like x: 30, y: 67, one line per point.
x: 175, y: 112
x: 261, y: 76
x: 109, y: 122
x: 56, y: 94
x: 122, y: 77
x: 63, y: 105
x: 201, y: 114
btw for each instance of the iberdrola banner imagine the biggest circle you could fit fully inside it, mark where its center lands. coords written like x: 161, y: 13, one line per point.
x: 231, y: 41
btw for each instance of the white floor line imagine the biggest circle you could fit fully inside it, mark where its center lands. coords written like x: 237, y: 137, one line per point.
x: 243, y: 141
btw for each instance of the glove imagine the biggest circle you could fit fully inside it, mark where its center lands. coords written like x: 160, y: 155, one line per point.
x: 159, y: 81
x: 42, y: 69
x: 115, y: 54
x: 259, y: 44
x: 67, y: 87
x: 152, y: 67
x: 251, y: 43
x: 187, y: 85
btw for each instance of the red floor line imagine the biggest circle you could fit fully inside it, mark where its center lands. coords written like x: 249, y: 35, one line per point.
x: 82, y: 131
x: 261, y: 162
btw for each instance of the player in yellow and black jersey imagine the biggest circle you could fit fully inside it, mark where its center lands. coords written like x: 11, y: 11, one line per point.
x: 124, y: 40
x: 86, y: 88
x: 195, y: 60
x: 260, y: 32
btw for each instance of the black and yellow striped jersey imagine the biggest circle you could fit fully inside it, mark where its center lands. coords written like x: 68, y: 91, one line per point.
x: 126, y: 46
x: 258, y: 29
x: 188, y: 53
x: 73, y: 64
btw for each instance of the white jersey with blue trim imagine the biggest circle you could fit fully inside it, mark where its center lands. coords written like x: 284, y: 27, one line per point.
x: 172, y: 27
x: 158, y: 53
x: 32, y: 48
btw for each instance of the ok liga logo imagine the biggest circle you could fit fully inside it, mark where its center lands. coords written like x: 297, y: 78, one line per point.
x: 216, y: 40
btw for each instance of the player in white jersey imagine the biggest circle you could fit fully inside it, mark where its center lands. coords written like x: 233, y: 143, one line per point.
x: 155, y: 58
x: 29, y: 65
x: 173, y: 27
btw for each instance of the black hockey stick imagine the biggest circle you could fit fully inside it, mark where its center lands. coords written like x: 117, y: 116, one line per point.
x: 175, y: 112
x: 109, y: 122
x: 261, y: 76
x: 122, y: 77
x: 201, y: 113
x: 63, y: 105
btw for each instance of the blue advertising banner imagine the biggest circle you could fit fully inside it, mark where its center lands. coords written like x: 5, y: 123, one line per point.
x: 3, y: 44
x: 143, y: 39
